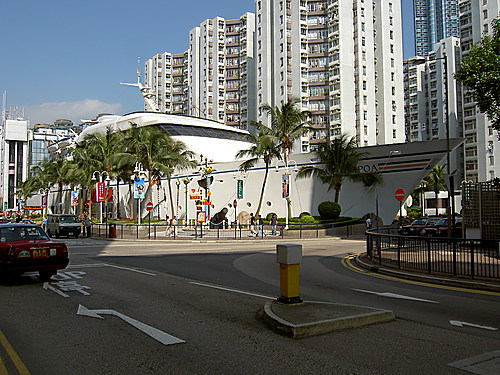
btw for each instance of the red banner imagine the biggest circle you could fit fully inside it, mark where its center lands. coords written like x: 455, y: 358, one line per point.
x: 101, y: 191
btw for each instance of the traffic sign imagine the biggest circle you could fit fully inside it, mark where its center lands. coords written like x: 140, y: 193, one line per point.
x: 149, y: 206
x: 399, y: 195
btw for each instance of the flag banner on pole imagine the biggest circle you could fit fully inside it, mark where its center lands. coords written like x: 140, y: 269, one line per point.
x: 74, y: 198
x: 139, y: 191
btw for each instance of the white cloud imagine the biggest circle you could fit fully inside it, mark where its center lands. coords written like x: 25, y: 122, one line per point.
x: 74, y: 111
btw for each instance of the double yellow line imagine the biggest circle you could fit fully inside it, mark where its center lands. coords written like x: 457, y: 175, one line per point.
x: 14, y: 357
x: 349, y: 264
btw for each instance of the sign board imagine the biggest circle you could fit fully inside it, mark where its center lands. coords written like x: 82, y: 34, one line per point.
x: 239, y: 189
x: 201, y: 218
x: 399, y: 194
x: 194, y: 196
x: 149, y: 206
x: 139, y: 191
x: 74, y: 198
x: 101, y: 192
x: 285, y: 185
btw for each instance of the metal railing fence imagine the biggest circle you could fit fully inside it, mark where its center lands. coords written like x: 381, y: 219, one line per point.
x: 230, y: 231
x: 454, y: 256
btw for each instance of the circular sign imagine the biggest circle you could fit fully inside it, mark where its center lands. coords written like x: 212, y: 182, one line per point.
x: 149, y: 206
x: 400, y: 195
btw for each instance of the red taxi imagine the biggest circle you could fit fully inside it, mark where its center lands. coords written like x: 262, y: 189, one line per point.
x: 27, y: 248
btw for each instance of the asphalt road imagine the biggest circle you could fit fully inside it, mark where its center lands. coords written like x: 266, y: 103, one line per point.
x: 191, y: 308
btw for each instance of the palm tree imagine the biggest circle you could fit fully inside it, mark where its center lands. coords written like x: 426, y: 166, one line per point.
x: 435, y: 182
x: 340, y: 159
x: 287, y: 123
x: 157, y: 152
x: 175, y: 157
x: 265, y: 147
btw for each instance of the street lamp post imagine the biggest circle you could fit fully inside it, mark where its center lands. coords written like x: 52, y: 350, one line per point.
x: 100, y: 181
x: 186, y: 182
x: 287, y: 186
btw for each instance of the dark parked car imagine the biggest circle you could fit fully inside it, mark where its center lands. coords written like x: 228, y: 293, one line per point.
x: 440, y: 229
x: 417, y: 226
x: 27, y: 248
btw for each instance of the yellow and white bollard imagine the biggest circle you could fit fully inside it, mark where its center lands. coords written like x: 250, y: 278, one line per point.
x: 289, y: 257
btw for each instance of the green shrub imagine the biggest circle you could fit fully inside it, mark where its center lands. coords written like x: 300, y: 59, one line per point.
x: 329, y: 210
x: 307, y: 219
x: 305, y: 213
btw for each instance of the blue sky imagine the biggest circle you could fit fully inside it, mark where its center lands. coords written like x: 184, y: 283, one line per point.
x: 65, y: 59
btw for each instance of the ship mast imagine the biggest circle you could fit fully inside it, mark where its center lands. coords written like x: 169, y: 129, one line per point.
x: 146, y: 92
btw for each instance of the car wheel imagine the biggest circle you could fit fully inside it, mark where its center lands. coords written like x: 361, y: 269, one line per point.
x: 46, y: 275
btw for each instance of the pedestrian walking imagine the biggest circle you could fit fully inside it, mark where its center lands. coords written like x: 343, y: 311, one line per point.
x: 88, y: 226
x: 260, y: 230
x: 168, y: 229
x: 252, y: 225
x: 274, y: 222
x: 368, y: 222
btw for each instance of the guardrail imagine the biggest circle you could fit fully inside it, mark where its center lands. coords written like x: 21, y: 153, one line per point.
x: 454, y: 256
x: 237, y: 232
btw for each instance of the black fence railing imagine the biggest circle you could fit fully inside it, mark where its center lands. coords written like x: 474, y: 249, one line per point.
x: 230, y: 231
x: 453, y: 256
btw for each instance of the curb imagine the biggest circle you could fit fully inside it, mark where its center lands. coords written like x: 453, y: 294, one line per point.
x: 428, y: 278
x: 348, y: 316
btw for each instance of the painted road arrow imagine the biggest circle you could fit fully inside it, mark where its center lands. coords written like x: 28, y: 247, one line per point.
x: 393, y: 295
x: 155, y: 333
x: 458, y: 323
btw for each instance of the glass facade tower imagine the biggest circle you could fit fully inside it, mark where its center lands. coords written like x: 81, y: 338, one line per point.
x: 434, y: 20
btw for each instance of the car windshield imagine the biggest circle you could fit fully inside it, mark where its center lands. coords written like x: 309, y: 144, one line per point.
x: 68, y: 219
x: 442, y: 222
x: 22, y: 234
x: 419, y: 222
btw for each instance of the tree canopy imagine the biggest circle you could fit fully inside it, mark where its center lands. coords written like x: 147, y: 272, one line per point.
x: 480, y: 72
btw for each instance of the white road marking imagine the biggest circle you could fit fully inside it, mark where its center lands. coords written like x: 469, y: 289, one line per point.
x: 155, y: 333
x: 393, y: 295
x: 458, y: 323
x: 110, y: 265
x: 47, y: 286
x: 231, y: 290
x: 483, y: 364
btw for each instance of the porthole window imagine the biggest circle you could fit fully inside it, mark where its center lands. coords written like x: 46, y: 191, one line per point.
x: 269, y: 203
x: 249, y: 204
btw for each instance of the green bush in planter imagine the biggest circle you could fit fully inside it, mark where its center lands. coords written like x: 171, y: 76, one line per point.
x: 307, y: 219
x: 329, y: 210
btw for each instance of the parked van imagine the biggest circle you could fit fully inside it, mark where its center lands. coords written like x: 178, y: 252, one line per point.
x: 63, y: 225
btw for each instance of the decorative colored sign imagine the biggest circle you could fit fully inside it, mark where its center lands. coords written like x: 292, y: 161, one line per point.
x: 206, y: 202
x: 285, y: 185
x: 139, y: 191
x: 74, y: 198
x: 195, y: 196
x: 44, y: 201
x: 239, y: 189
x: 399, y: 194
x: 101, y: 191
x: 201, y: 218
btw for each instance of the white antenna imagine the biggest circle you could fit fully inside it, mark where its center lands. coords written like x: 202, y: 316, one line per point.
x: 148, y: 96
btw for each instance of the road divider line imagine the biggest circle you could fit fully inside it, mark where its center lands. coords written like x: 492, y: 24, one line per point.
x: 20, y: 366
x: 231, y: 290
x: 97, y: 265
